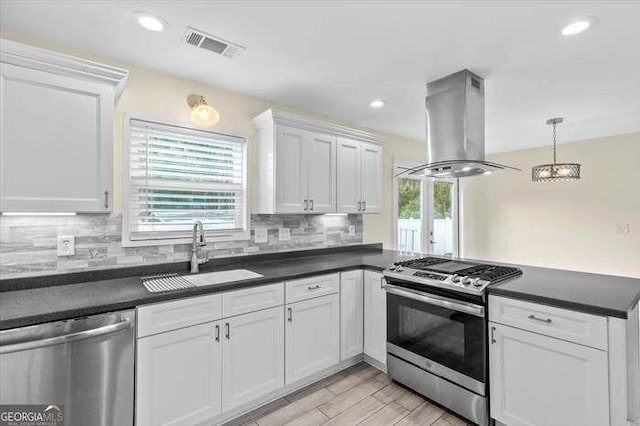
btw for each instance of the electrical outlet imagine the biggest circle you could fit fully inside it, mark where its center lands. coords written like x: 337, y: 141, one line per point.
x: 352, y: 231
x: 260, y: 235
x: 66, y: 245
x: 622, y: 228
x: 284, y: 234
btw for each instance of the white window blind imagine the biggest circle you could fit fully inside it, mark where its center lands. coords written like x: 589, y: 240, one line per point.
x: 179, y: 175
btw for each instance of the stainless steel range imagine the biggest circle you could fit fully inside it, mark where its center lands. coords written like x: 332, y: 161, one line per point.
x: 437, y: 330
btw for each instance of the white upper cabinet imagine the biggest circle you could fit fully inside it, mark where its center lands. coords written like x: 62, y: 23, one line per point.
x: 359, y: 176
x: 56, y: 139
x: 291, y: 170
x: 371, y: 161
x: 300, y: 169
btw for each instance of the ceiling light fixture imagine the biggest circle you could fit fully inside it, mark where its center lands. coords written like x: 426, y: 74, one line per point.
x: 555, y: 171
x: 578, y: 26
x: 149, y: 21
x: 202, y: 113
x: 376, y: 103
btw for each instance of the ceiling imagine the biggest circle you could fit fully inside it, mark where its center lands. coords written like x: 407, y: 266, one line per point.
x: 333, y: 57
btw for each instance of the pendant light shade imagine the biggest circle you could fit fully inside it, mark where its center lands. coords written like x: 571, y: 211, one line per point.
x: 555, y: 171
x: 202, y: 113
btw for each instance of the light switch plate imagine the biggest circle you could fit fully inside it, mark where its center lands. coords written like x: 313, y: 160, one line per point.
x: 260, y: 235
x: 66, y: 245
x: 352, y: 231
x: 284, y: 234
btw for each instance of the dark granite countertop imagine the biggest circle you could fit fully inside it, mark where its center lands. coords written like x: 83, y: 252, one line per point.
x: 597, y: 294
x: 28, y: 306
x: 37, y: 300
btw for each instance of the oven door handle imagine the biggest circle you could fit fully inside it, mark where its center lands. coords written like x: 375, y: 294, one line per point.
x: 443, y: 302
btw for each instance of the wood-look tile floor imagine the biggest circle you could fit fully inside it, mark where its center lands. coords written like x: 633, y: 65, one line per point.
x: 359, y: 395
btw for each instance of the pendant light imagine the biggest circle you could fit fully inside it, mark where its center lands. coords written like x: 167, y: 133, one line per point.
x: 202, y: 113
x: 555, y: 171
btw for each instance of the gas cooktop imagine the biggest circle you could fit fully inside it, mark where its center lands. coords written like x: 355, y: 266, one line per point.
x: 456, y: 275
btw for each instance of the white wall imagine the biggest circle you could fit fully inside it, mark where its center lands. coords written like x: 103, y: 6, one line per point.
x: 568, y: 225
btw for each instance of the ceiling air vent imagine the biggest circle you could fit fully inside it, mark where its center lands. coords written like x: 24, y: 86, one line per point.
x: 213, y: 44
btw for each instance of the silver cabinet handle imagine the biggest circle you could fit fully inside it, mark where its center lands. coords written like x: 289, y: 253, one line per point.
x: 66, y: 338
x: 493, y: 334
x: 364, y: 206
x: 217, y: 333
x: 314, y: 287
x: 228, y: 334
x: 289, y: 315
x: 544, y: 320
x: 359, y: 205
x: 106, y: 199
x: 311, y: 201
x: 382, y: 283
x: 306, y: 205
x: 432, y: 299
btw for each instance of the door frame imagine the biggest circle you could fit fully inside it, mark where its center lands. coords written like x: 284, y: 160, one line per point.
x: 427, y: 190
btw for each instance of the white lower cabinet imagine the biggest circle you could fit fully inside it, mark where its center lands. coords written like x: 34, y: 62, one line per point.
x: 351, y: 314
x: 252, y: 356
x: 375, y: 317
x: 544, y: 381
x: 179, y: 376
x: 312, y: 337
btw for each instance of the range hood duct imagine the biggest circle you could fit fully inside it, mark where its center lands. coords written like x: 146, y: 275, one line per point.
x: 455, y: 128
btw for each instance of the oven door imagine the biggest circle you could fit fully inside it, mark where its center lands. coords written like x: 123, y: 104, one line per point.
x: 442, y: 335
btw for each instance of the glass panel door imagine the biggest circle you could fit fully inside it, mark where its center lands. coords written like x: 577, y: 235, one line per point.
x: 443, y: 217
x: 410, y: 215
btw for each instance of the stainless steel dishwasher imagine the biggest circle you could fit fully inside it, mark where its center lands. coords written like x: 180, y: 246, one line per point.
x: 84, y: 364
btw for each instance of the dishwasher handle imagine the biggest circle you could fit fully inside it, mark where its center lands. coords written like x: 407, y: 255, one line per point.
x: 66, y: 338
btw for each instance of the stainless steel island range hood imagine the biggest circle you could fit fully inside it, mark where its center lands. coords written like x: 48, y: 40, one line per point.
x: 455, y: 128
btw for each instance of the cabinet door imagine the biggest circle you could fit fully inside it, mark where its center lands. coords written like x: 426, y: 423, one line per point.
x: 252, y: 356
x: 322, y: 173
x: 540, y: 380
x: 291, y: 170
x: 351, y: 314
x: 371, y: 158
x: 349, y: 176
x: 56, y: 143
x: 375, y: 317
x: 312, y: 337
x: 178, y: 376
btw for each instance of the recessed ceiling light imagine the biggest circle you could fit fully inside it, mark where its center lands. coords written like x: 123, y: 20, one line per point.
x: 149, y: 21
x: 376, y: 103
x: 578, y: 26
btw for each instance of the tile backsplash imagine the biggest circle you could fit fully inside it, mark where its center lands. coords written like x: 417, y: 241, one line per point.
x: 28, y: 243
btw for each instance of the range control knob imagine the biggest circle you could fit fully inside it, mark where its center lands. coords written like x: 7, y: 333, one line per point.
x: 399, y: 268
x: 392, y: 267
x: 466, y: 281
x: 477, y: 282
x: 455, y: 278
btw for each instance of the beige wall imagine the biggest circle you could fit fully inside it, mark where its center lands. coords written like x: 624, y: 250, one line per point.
x: 151, y: 94
x: 568, y: 225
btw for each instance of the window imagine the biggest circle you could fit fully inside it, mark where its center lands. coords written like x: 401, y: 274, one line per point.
x: 174, y: 176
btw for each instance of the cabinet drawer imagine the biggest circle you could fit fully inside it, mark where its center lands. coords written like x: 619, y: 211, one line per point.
x: 585, y: 329
x: 160, y: 317
x: 308, y: 288
x: 252, y: 299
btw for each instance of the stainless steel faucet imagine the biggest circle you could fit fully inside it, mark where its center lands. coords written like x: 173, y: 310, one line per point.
x: 198, y: 242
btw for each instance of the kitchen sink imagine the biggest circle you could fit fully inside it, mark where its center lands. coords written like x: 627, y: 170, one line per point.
x: 213, y: 278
